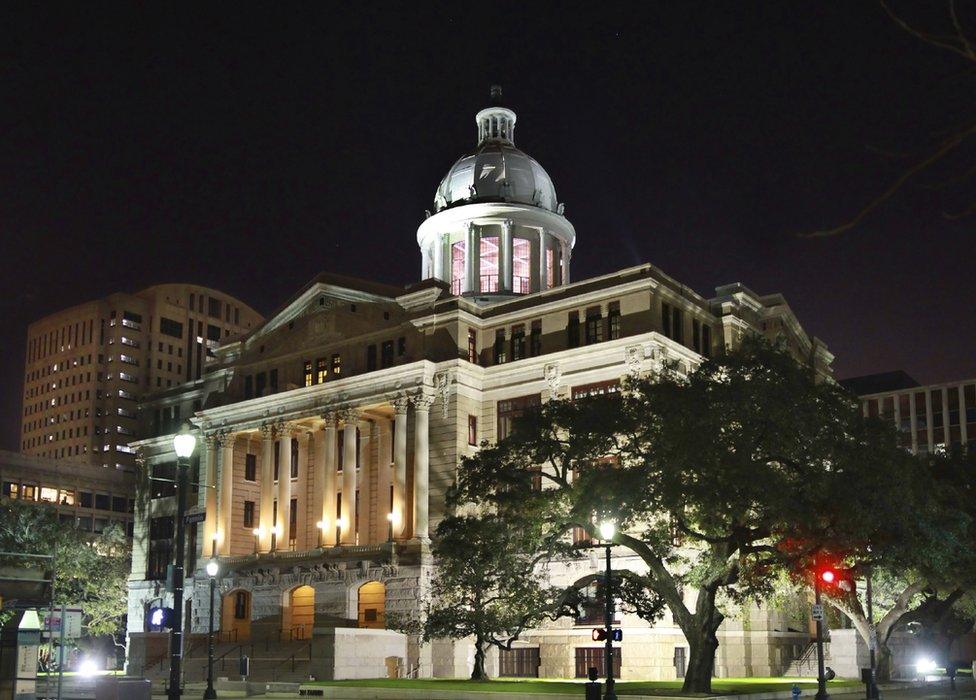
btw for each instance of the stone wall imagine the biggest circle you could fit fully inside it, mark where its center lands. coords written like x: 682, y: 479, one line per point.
x: 341, y: 653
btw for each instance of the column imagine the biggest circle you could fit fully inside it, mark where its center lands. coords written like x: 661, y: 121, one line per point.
x: 425, y: 273
x: 945, y: 418
x: 320, y: 525
x: 225, y: 523
x: 897, y: 411
x: 306, y: 534
x: 929, y: 428
x: 384, y: 477
x: 214, y: 442
x: 472, y: 260
x: 963, y: 436
x: 421, y: 466
x: 348, y: 534
x: 400, y: 512
x: 328, y: 484
x: 564, y: 248
x: 914, y: 421
x: 438, y: 257
x: 543, y: 277
x: 282, y: 541
x: 266, y: 509
x: 505, y: 257
x: 365, y: 529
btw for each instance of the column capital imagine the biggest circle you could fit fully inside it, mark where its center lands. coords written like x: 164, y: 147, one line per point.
x: 349, y: 416
x: 422, y: 401
x: 330, y: 418
x: 401, y: 403
x: 508, y: 223
x: 217, y: 438
x: 267, y: 431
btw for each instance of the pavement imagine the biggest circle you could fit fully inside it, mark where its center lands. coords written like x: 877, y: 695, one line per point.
x: 933, y: 691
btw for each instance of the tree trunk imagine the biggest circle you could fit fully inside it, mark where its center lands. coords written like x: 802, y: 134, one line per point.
x: 882, y: 660
x: 702, y: 645
x: 478, y: 672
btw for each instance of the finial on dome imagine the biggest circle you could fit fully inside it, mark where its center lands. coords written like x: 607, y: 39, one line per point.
x: 496, y: 95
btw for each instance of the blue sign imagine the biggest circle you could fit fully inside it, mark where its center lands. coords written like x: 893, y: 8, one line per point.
x: 160, y: 619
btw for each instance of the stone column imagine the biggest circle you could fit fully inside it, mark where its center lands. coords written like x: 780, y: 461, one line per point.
x: 945, y: 417
x: 896, y: 404
x: 266, y: 509
x: 282, y: 541
x: 472, y: 259
x: 421, y: 466
x: 363, y: 532
x: 929, y: 428
x: 564, y: 248
x: 424, y: 264
x: 214, y: 442
x: 505, y: 257
x: 438, y: 257
x: 225, y: 523
x: 400, y: 511
x: 349, y: 477
x: 328, y: 484
x: 318, y: 488
x: 384, y: 478
x: 543, y: 277
x: 914, y: 420
x: 306, y: 534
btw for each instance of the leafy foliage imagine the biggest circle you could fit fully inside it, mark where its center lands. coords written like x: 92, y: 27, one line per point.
x: 90, y: 569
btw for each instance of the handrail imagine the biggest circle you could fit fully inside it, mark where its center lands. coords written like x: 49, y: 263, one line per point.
x: 222, y: 658
x: 292, y: 659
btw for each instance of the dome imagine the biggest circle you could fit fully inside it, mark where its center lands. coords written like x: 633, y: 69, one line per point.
x: 496, y: 171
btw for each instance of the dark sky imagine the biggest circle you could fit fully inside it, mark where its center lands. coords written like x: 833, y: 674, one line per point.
x: 247, y: 149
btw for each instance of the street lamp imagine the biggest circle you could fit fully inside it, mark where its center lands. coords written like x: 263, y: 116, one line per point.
x: 257, y: 538
x: 607, y: 530
x: 827, y: 576
x: 321, y: 525
x: 183, y: 444
x: 212, y: 569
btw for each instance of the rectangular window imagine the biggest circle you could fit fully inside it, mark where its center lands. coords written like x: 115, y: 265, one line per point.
x: 261, y: 382
x: 273, y: 380
x: 666, y: 319
x: 249, y: 386
x: 613, y: 320
x: 511, y: 410
x: 320, y: 370
x: 572, y: 330
x: 213, y: 307
x: 706, y: 341
x: 401, y: 346
x: 168, y: 326
x: 457, y: 267
x: 292, y: 520
x: 250, y: 467
x: 696, y: 335
x: 472, y: 430
x: 277, y: 459
x: 213, y: 333
x: 337, y: 366
x: 677, y: 325
x: 518, y: 342
x: 472, y: 346
x: 489, y: 264
x: 294, y: 459
x: 594, y: 325
x: 370, y: 358
x: 249, y: 514
x: 500, y: 355
x: 386, y: 354
x: 535, y: 339
x: 592, y: 657
x: 308, y: 372
x: 596, y: 389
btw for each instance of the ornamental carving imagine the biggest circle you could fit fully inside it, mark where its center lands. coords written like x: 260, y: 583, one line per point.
x: 401, y: 402
x: 422, y: 401
x: 634, y: 358
x: 553, y: 376
x: 442, y: 387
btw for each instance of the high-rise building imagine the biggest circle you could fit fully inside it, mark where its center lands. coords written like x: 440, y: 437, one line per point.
x: 87, y: 367
x: 329, y: 435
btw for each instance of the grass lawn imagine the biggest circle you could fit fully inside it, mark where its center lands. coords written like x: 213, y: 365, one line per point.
x: 720, y: 686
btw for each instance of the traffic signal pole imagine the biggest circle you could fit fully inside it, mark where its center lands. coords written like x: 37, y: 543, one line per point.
x: 821, y: 678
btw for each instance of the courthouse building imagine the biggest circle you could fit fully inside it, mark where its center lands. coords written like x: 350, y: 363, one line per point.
x: 330, y: 433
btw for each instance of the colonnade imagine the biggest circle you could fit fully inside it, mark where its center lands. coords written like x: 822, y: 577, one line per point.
x: 339, y: 441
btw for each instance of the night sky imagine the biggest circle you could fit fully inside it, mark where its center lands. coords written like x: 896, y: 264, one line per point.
x: 246, y: 150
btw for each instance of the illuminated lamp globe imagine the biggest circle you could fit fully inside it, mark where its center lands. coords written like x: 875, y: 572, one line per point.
x: 212, y: 568
x: 607, y: 530
x: 184, y: 442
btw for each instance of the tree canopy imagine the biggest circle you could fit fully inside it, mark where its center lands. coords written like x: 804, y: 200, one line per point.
x: 718, y: 479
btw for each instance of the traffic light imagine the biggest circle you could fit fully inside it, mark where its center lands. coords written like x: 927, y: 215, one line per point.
x: 599, y: 634
x: 835, y: 579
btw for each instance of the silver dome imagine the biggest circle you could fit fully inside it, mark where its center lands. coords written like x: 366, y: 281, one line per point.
x: 496, y: 172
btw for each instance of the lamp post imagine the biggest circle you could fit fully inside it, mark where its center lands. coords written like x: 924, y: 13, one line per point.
x: 872, y: 693
x: 212, y: 569
x: 821, y: 678
x: 607, y: 531
x: 183, y: 444
x: 257, y: 538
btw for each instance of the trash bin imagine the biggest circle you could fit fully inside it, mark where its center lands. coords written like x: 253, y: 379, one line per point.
x: 593, y: 691
x: 123, y: 688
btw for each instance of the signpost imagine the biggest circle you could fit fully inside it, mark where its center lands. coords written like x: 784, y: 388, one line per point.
x: 817, y: 612
x: 67, y: 620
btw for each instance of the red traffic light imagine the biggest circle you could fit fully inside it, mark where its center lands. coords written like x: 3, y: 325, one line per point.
x: 828, y: 576
x: 599, y: 634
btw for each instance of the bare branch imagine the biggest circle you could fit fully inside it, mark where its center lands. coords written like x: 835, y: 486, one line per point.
x: 942, y: 42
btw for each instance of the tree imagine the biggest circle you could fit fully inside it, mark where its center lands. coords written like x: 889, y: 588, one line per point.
x: 487, y: 584
x: 919, y: 556
x: 717, y: 480
x: 90, y: 569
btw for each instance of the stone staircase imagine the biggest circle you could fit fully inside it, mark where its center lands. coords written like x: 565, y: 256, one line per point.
x: 805, y: 665
x: 270, y: 661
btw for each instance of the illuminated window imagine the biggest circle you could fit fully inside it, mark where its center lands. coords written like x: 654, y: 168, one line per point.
x: 49, y: 495
x: 510, y: 410
x: 320, y: 370
x: 336, y: 365
x: 472, y: 346
x: 308, y: 372
x: 550, y: 268
x: 472, y: 430
x: 613, y: 320
x: 457, y: 267
x: 489, y: 264
x: 521, y: 257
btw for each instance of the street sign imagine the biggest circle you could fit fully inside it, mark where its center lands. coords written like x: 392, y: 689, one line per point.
x: 72, y: 623
x: 191, y: 518
x: 817, y: 613
x: 599, y: 634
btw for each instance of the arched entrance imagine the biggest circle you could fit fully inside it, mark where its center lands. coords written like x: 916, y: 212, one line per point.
x: 372, y: 606
x: 235, y: 616
x: 298, y: 613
